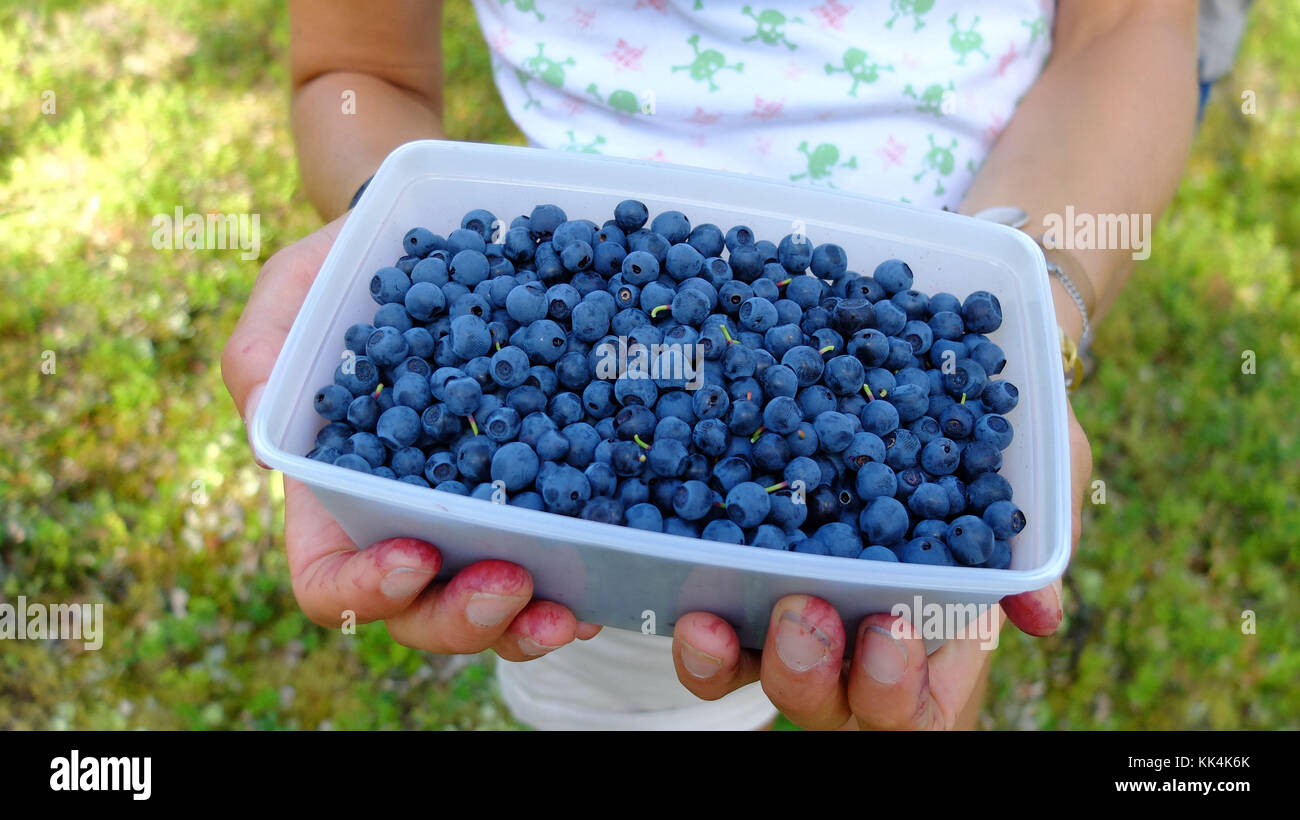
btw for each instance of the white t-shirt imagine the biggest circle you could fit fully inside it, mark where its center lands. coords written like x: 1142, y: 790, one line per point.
x: 898, y: 99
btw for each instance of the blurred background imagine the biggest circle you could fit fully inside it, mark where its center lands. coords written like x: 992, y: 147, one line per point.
x: 125, y: 479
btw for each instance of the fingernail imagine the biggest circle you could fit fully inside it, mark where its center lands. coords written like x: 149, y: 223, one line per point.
x: 486, y: 609
x: 799, y: 644
x: 403, y: 582
x: 532, y: 648
x: 700, y: 664
x: 886, y: 655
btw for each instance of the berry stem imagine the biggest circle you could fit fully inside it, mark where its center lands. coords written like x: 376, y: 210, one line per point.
x: 963, y: 398
x: 378, y: 390
x: 867, y: 389
x: 757, y: 433
x: 783, y: 283
x: 730, y: 340
x: 472, y: 425
x: 644, y: 446
x: 779, y: 486
x: 826, y: 349
x: 655, y: 311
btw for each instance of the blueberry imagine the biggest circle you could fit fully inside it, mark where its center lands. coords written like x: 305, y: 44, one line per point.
x: 746, y: 263
x: 806, y: 363
x: 711, y: 402
x: 432, y: 271
x: 412, y: 390
x: 757, y: 314
x: 692, y: 500
x: 353, y: 462
x: 1004, y: 518
x: 970, y: 539
x: 967, y: 379
x: 747, y: 504
x: 876, y: 552
x: 929, y: 501
x: 387, y: 347
x: 930, y: 551
x: 770, y: 537
x: 389, y: 285
x: 982, y: 312
x: 667, y: 457
x: 603, y: 510
x: 769, y: 452
x: 462, y: 395
x: 890, y: 318
x: 1001, y: 397
x: 834, y: 430
x: 879, y: 417
x: 994, y: 429
x: 332, y: 402
x: 884, y: 520
x: 902, y: 449
x: 577, y: 256
x: 1001, y: 556
x: 565, y: 490
x: 630, y: 215
x: 398, y: 427
x: 515, y: 464
x: 829, y: 261
x: 893, y: 275
x: 940, y: 457
x: 841, y: 539
x: 794, y: 253
x: 639, y: 268
x: 851, y: 315
x: 724, y: 531
x: 645, y: 516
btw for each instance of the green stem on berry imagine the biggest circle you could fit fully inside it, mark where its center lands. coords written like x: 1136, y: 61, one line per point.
x: 637, y: 439
x: 655, y: 311
x: 867, y: 389
x: 730, y: 340
x: 826, y: 349
x: 779, y: 486
x: 757, y: 433
x: 472, y: 425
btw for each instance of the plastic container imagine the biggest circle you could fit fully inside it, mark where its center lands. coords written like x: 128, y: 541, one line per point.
x: 629, y: 578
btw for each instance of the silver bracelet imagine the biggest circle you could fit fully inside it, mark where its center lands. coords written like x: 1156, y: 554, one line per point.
x: 1057, y: 271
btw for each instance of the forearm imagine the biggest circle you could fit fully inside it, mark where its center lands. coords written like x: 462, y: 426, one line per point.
x: 1106, y: 129
x: 337, y: 150
x: 367, y: 77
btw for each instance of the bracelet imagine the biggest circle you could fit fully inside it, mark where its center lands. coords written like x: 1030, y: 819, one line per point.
x: 1061, y: 276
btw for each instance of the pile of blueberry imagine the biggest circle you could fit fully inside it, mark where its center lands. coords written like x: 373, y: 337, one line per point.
x: 683, y: 380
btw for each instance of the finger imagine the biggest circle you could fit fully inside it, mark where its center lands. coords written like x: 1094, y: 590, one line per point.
x: 1040, y: 611
x: 893, y: 685
x: 281, y: 287
x: 587, y: 631
x: 801, y: 662
x: 467, y: 614
x: 542, y: 626
x: 707, y: 655
x: 331, y: 577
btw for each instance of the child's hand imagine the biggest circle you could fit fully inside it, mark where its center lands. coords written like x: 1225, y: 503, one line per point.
x: 485, y: 606
x: 890, y: 683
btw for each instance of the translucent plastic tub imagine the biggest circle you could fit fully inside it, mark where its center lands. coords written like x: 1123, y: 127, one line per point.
x: 616, y: 575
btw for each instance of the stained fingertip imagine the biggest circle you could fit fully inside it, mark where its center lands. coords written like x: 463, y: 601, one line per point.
x: 1036, y: 613
x: 540, y: 628
x: 587, y: 631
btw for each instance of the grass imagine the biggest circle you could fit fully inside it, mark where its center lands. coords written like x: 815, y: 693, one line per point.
x: 124, y: 478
